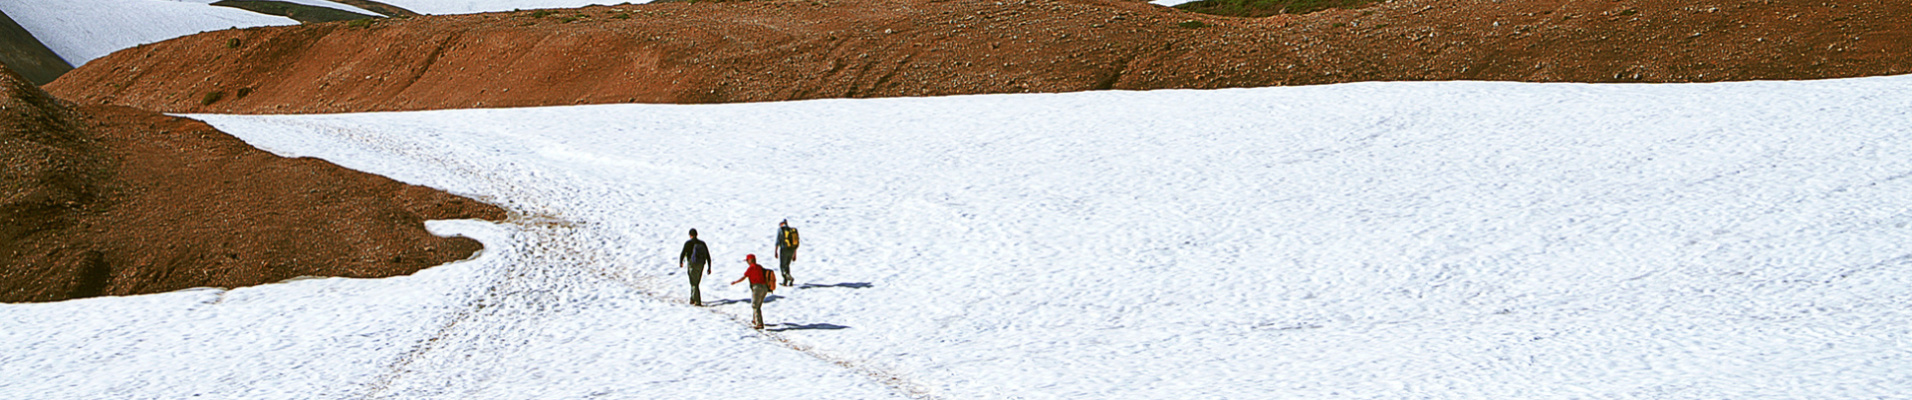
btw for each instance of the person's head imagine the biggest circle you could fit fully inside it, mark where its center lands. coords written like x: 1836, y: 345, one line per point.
x: 693, y: 233
x: 785, y: 222
x: 750, y: 259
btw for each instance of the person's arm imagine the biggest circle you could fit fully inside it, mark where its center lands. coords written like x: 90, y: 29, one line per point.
x: 779, y: 252
x: 746, y: 276
x: 683, y: 255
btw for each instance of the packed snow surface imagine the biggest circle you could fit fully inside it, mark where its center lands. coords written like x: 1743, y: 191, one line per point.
x: 314, y: 3
x: 82, y: 30
x: 1451, y: 240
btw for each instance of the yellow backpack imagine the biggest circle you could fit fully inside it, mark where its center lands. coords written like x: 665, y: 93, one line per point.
x: 790, y: 237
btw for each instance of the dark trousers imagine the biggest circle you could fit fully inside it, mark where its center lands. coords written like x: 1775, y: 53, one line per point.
x: 783, y: 263
x: 696, y: 277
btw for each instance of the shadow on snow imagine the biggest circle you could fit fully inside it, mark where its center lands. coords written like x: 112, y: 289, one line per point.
x: 766, y: 300
x: 852, y: 285
x: 805, y: 327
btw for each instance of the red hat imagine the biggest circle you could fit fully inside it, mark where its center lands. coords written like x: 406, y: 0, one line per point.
x: 750, y: 257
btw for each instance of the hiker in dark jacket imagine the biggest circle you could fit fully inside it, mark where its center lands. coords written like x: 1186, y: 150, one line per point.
x: 762, y: 282
x: 699, y: 256
x: 786, y: 250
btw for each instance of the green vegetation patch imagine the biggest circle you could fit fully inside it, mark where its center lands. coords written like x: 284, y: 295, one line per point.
x: 298, y: 12
x: 211, y: 97
x: 1263, y: 8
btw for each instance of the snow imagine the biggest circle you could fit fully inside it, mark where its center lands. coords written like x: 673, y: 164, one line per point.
x: 441, y: 7
x: 1372, y: 240
x: 314, y: 3
x: 83, y: 30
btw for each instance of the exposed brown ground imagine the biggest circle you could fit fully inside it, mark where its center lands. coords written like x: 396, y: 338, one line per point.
x: 761, y: 50
x: 110, y: 200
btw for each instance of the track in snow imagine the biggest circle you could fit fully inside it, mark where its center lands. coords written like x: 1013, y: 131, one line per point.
x: 549, y: 253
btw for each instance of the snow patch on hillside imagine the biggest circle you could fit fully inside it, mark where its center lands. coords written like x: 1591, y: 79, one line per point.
x: 83, y: 30
x: 314, y: 3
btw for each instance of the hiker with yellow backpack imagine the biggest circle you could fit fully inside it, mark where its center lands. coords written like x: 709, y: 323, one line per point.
x: 786, y: 250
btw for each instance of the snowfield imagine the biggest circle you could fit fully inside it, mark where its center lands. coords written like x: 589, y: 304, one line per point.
x: 314, y: 3
x: 82, y: 30
x: 1450, y: 240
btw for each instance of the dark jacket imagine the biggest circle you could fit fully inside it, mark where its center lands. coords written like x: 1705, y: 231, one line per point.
x: 696, y: 252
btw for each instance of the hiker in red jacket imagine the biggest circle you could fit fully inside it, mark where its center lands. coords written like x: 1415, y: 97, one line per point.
x: 762, y: 282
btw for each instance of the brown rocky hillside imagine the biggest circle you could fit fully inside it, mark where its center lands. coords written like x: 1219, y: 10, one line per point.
x: 762, y: 50
x: 111, y: 200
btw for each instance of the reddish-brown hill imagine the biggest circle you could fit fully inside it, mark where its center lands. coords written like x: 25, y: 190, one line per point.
x: 760, y: 50
x: 111, y: 200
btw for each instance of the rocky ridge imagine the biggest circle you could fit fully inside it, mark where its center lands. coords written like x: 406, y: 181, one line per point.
x: 770, y: 50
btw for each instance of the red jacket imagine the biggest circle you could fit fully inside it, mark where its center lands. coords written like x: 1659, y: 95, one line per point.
x: 758, y: 275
